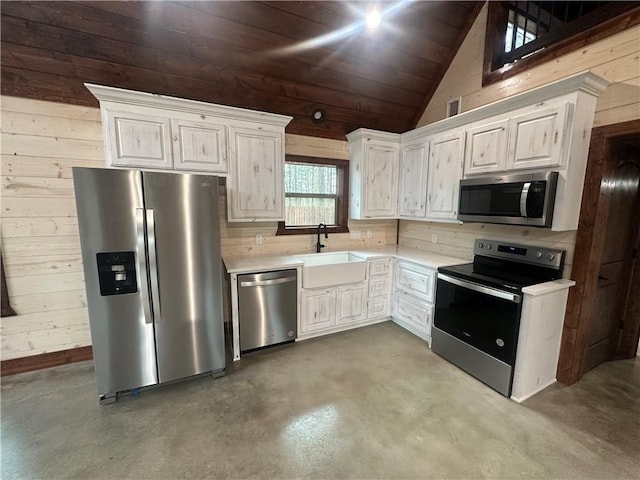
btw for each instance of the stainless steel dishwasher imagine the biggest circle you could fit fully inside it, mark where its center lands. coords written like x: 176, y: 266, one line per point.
x: 267, y: 308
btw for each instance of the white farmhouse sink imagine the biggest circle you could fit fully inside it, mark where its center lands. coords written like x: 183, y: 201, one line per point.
x: 329, y: 269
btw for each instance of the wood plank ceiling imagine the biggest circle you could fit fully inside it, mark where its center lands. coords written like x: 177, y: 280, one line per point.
x: 262, y: 55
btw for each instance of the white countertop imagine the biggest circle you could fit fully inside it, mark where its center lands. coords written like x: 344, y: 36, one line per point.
x: 548, y: 287
x: 246, y: 264
x: 260, y: 263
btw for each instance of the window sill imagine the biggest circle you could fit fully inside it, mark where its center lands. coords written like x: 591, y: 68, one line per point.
x: 282, y: 230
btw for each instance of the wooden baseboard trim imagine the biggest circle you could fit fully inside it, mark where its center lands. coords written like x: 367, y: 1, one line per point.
x: 45, y: 360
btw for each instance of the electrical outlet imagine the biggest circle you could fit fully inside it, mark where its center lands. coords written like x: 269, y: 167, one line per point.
x: 356, y: 234
x: 259, y: 239
x: 434, y: 238
x: 369, y: 233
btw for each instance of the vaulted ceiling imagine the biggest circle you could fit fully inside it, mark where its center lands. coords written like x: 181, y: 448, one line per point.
x: 281, y: 57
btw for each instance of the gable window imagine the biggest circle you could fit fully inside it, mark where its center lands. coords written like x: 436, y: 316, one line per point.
x: 316, y: 191
x: 521, y: 35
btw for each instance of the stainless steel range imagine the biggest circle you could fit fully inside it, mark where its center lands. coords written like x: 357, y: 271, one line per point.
x: 478, y: 307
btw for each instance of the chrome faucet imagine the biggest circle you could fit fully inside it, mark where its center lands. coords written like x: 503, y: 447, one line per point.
x: 326, y: 235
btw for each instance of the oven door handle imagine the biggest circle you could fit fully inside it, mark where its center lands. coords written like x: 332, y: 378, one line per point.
x: 512, y: 297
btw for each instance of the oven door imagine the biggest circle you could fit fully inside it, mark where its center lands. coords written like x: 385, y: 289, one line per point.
x: 476, y: 328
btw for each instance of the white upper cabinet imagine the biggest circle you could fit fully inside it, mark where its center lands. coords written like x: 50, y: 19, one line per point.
x: 412, y: 188
x: 138, y: 139
x: 256, y: 188
x: 486, y: 149
x: 143, y: 130
x: 536, y: 139
x: 373, y: 174
x: 199, y: 146
x: 445, y: 171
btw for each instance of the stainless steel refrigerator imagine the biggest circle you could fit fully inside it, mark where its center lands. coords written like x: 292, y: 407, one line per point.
x: 153, y: 274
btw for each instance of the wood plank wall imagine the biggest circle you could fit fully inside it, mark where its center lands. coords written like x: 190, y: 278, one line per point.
x: 615, y: 58
x: 41, y: 141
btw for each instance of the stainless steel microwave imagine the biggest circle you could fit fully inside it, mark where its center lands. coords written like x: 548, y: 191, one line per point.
x: 519, y: 199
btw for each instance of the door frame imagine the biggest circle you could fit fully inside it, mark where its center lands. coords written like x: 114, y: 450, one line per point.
x: 588, y: 254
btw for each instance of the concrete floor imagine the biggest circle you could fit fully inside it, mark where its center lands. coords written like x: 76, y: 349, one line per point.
x: 369, y: 403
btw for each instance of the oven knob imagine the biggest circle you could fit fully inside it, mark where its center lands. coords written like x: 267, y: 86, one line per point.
x: 480, y: 245
x: 539, y: 254
x: 551, y: 256
x: 499, y: 342
x: 488, y: 246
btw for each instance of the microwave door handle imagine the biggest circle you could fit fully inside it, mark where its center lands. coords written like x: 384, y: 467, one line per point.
x: 524, y: 196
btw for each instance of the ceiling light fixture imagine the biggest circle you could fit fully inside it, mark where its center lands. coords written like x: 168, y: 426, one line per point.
x: 374, y: 18
x: 318, y: 115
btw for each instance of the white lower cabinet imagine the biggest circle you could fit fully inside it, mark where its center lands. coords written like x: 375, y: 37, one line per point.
x: 378, y: 298
x: 413, y: 298
x: 328, y: 310
x: 318, y: 310
x: 414, y: 313
x: 351, y: 304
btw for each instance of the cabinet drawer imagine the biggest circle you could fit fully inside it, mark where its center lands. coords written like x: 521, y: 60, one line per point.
x: 413, y: 312
x: 379, y: 286
x: 415, y: 279
x: 379, y: 267
x: 378, y: 307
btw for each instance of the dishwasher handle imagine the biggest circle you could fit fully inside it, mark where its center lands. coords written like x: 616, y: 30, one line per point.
x: 264, y: 283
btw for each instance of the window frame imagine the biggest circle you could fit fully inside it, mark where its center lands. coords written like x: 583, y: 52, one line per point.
x: 622, y: 16
x: 342, y: 188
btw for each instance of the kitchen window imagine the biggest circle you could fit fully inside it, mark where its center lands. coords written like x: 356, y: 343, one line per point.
x: 521, y: 35
x: 316, y: 191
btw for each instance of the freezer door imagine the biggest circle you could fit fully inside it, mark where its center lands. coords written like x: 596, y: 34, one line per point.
x: 185, y: 270
x: 110, y: 215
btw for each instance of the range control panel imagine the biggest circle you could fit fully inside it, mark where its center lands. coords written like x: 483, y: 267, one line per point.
x: 117, y: 273
x: 547, y: 257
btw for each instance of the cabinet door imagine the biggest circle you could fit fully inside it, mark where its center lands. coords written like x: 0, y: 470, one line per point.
x: 486, y: 149
x: 379, y: 187
x: 257, y: 167
x: 199, y: 146
x: 351, y: 303
x: 412, y: 198
x: 318, y: 310
x: 445, y: 172
x: 536, y: 139
x: 139, y: 140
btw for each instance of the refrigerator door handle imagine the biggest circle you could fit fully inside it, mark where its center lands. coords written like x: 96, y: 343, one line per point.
x: 142, y: 265
x: 153, y: 265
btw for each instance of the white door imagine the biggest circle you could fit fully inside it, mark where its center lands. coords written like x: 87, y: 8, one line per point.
x: 199, y: 146
x: 257, y: 167
x: 536, y: 139
x: 412, y: 198
x: 380, y: 181
x: 318, y: 310
x: 445, y: 172
x: 351, y: 303
x: 139, y: 140
x: 486, y: 149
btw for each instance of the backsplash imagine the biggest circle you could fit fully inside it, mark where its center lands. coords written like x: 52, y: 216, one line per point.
x: 457, y: 239
x: 240, y: 238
